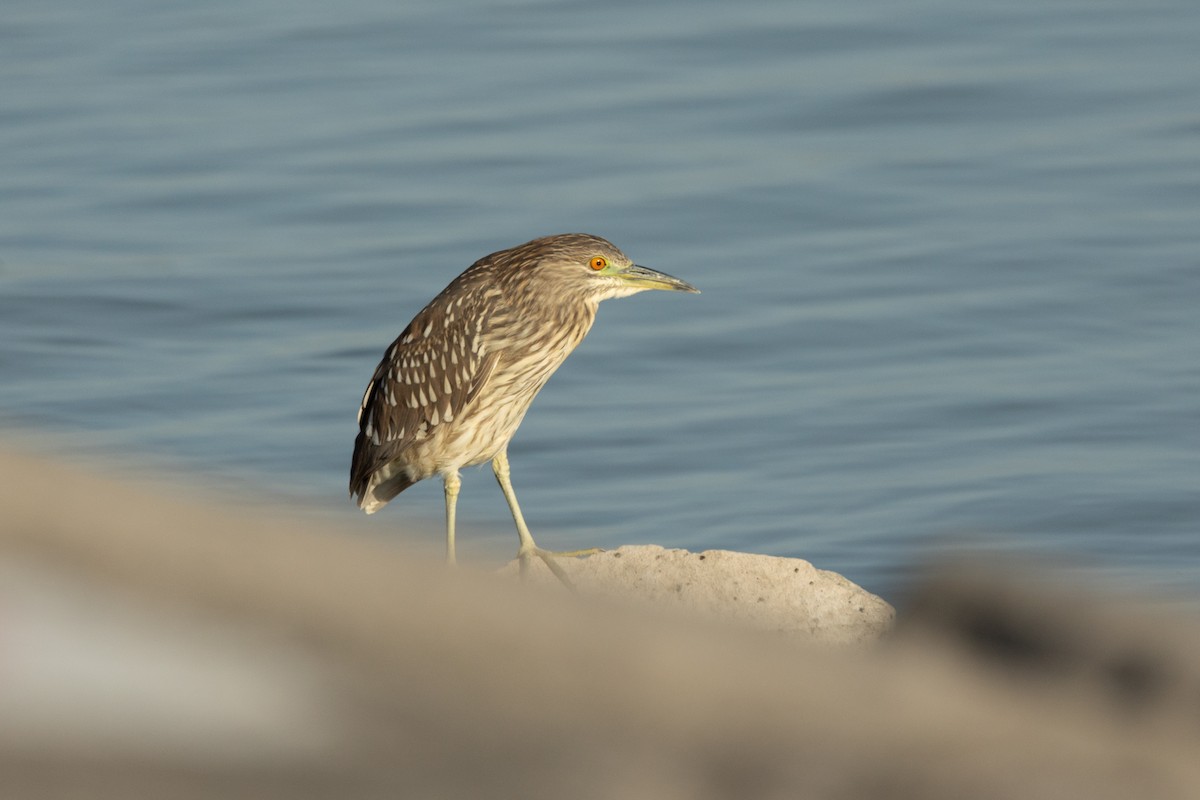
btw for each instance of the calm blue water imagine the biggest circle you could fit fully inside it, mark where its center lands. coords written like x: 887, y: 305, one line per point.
x: 950, y: 255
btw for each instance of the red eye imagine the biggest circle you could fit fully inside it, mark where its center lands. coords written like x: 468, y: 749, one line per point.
x: 598, y: 262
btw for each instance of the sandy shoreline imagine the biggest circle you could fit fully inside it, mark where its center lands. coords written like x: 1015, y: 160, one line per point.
x: 152, y: 646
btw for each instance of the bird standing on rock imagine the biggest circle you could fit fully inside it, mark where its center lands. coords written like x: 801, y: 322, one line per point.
x: 452, y: 389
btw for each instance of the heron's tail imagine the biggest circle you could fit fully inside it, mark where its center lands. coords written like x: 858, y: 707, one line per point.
x: 375, y: 496
x: 374, y: 481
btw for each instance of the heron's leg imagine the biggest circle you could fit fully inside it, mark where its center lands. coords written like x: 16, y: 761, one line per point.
x: 528, y: 547
x: 503, y: 477
x: 452, y: 484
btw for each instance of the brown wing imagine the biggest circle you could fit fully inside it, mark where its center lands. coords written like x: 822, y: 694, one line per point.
x: 428, y: 375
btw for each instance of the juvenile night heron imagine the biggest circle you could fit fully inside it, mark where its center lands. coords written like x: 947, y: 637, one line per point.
x: 453, y: 387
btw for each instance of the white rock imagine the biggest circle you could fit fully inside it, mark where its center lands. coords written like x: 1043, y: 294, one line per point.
x: 786, y: 595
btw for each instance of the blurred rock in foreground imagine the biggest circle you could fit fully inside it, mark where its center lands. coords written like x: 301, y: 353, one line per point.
x: 151, y: 647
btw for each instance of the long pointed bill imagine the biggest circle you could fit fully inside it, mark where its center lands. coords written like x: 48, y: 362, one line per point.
x: 646, y: 278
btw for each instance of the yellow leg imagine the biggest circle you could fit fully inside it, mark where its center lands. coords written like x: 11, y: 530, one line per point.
x: 452, y: 484
x: 528, y: 547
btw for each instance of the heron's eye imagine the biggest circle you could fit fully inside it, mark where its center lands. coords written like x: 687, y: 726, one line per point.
x: 598, y: 262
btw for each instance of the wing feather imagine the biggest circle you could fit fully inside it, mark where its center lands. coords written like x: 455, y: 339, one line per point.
x: 428, y: 375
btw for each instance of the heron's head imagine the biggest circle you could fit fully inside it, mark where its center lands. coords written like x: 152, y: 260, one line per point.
x: 580, y: 264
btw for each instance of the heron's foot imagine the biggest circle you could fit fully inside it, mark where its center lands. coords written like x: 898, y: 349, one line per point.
x: 548, y: 558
